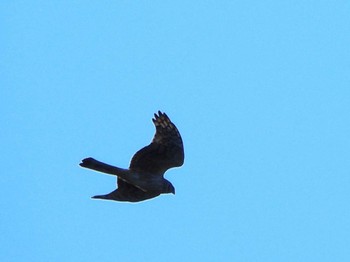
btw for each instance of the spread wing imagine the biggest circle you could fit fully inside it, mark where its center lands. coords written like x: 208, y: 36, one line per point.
x: 165, y: 151
x: 127, y: 192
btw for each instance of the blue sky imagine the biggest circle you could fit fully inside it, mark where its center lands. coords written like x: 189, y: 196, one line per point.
x: 258, y: 89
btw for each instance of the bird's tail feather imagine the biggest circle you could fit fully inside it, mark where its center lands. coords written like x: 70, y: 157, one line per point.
x: 92, y: 163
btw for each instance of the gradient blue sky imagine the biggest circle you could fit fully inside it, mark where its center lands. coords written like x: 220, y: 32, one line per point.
x: 258, y: 89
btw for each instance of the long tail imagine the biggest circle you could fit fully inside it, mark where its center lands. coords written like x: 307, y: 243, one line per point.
x: 92, y: 163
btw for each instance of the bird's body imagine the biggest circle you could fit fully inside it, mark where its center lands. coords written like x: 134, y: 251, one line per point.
x: 145, y: 177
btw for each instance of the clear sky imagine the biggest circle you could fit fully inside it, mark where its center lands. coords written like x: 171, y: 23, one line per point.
x: 258, y: 89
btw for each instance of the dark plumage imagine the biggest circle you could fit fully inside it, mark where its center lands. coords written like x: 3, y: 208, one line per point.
x: 145, y: 177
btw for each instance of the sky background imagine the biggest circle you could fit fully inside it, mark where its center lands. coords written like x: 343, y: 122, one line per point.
x: 258, y: 89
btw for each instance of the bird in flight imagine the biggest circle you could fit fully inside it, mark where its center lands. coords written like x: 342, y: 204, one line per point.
x: 144, y: 179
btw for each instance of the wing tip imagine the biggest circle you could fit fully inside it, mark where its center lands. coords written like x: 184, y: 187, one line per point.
x: 161, y: 114
x: 158, y: 115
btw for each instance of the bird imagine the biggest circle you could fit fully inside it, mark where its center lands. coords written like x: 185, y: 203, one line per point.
x: 144, y: 179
